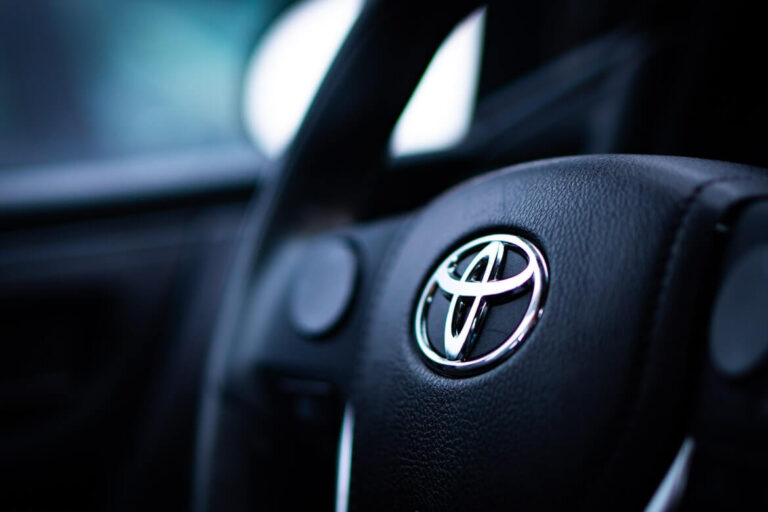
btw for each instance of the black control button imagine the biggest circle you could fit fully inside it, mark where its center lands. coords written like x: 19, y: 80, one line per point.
x: 324, y: 287
x: 739, y: 329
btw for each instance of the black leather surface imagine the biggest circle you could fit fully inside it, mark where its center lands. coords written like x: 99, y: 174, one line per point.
x: 589, y: 412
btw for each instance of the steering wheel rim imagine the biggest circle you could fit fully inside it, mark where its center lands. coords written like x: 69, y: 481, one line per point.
x: 320, y: 142
x: 298, y: 201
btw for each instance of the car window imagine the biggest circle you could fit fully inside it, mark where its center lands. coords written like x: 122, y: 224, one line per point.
x: 290, y: 62
x: 85, y: 79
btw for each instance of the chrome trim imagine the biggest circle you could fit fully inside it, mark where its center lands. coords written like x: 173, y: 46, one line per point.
x: 344, y: 466
x: 458, y: 341
x: 667, y: 497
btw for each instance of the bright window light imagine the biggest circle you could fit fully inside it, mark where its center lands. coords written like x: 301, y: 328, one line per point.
x: 439, y: 113
x: 288, y: 66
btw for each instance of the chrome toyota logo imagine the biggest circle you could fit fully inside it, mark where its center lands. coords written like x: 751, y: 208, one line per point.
x: 472, y: 280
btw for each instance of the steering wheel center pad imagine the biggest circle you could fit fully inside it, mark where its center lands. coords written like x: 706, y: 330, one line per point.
x: 591, y: 409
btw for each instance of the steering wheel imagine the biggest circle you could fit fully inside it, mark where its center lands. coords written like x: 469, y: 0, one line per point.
x: 529, y: 338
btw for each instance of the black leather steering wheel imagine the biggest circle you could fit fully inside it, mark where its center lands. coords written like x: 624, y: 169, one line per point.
x: 566, y: 385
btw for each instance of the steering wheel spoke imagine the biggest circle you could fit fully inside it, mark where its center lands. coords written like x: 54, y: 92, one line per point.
x: 303, y: 317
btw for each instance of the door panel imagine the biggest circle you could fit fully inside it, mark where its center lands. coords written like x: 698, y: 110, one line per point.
x: 104, y: 323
